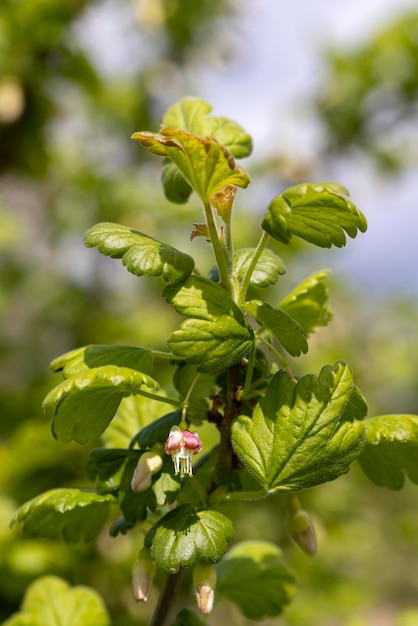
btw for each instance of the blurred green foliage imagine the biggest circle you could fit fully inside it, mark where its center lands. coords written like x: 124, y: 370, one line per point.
x: 369, y: 96
x: 66, y: 162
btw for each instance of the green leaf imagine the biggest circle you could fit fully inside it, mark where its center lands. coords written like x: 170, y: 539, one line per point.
x: 319, y: 213
x: 187, y: 618
x: 290, y: 334
x: 176, y: 188
x: 75, y: 514
x: 113, y: 470
x: 356, y: 407
x: 254, y: 576
x: 50, y: 601
x: 205, y: 164
x: 142, y: 255
x: 157, y: 431
x: 106, y: 467
x: 308, y: 303
x: 298, y: 437
x: 185, y: 536
x: 391, y: 450
x: 216, y: 334
x: 269, y: 267
x: 191, y: 114
x: 89, y: 357
x: 82, y: 406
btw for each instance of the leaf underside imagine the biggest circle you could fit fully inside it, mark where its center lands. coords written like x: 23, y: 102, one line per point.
x: 319, y: 213
x: 391, y: 451
x: 142, y: 255
x: 81, y: 407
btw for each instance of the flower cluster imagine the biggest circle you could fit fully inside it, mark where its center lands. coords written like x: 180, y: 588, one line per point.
x: 182, y: 445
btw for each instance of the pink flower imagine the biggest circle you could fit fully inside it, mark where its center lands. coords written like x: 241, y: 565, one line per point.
x: 182, y: 445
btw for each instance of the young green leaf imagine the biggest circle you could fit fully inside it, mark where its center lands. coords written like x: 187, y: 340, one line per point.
x: 319, y: 213
x: 191, y: 114
x: 253, y: 575
x: 205, y: 164
x: 308, y: 303
x: 297, y: 438
x: 176, y: 187
x: 75, y: 514
x: 216, y: 334
x: 89, y: 357
x: 269, y: 267
x: 290, y: 334
x: 83, y: 406
x: 391, y: 450
x: 50, y: 601
x: 185, y: 536
x: 142, y: 255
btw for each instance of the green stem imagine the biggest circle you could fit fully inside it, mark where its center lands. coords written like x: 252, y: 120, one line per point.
x: 248, y: 375
x: 239, y: 495
x: 153, y: 396
x: 160, y: 354
x: 220, y: 256
x: 257, y: 254
x: 166, y: 599
x: 282, y: 361
x: 183, y: 424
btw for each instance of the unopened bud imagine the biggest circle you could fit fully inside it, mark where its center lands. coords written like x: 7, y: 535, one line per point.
x: 204, y: 580
x: 301, y: 528
x: 142, y: 576
x: 149, y: 464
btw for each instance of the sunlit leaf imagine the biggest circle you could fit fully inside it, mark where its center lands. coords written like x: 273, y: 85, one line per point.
x: 308, y: 303
x: 253, y: 575
x: 216, y: 334
x: 317, y: 212
x: 205, y: 164
x: 89, y: 357
x: 142, y: 255
x: 391, y: 450
x: 297, y: 437
x: 289, y: 332
x: 50, y: 601
x: 269, y: 267
x: 74, y: 514
x: 185, y: 536
x: 192, y: 114
x: 82, y: 406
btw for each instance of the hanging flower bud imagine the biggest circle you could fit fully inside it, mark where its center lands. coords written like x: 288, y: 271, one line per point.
x: 204, y: 580
x: 182, y: 445
x: 142, y: 576
x: 149, y: 464
x: 301, y: 528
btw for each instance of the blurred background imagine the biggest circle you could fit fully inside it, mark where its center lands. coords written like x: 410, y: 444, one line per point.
x: 329, y: 91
